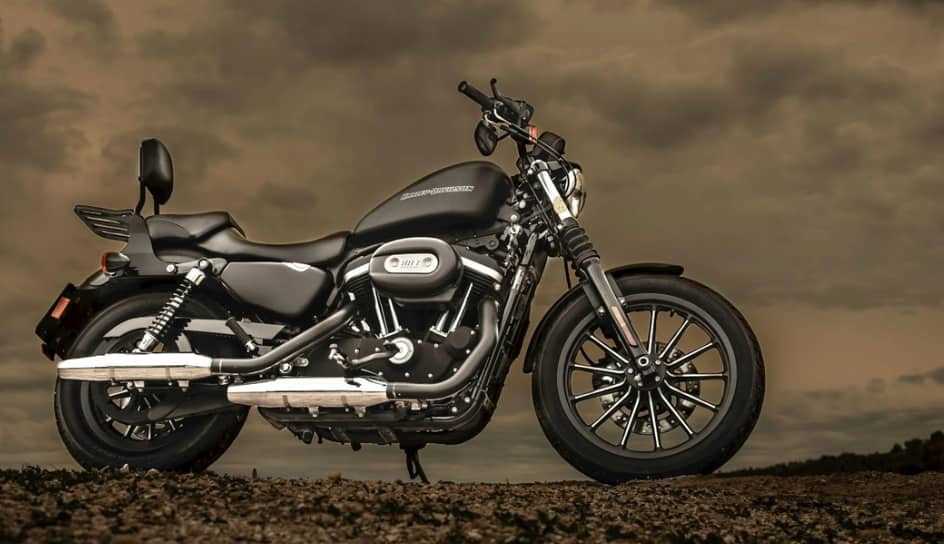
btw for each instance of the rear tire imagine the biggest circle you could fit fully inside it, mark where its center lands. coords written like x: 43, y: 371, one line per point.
x: 95, y: 444
x: 720, y: 438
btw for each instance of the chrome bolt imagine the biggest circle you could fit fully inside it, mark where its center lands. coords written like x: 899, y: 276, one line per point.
x: 658, y: 362
x: 658, y: 378
x: 171, y: 268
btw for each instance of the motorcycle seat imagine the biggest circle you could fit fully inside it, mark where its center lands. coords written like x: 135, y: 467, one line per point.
x: 189, y: 226
x: 216, y: 234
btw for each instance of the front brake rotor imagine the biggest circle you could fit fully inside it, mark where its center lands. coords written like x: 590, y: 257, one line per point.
x: 667, y: 421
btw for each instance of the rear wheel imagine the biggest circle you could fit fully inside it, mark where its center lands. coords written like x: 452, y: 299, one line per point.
x: 689, y: 415
x: 102, y: 424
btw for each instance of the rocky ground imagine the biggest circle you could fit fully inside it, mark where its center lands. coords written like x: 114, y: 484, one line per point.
x: 39, y: 505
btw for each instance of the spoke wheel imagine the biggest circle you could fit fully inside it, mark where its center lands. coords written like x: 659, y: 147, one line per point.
x: 686, y: 410
x: 106, y: 424
x: 666, y: 411
x: 117, y: 411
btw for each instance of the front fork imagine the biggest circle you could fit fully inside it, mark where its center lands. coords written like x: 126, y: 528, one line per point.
x: 606, y: 300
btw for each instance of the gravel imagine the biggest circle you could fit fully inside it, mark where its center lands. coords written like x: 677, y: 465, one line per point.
x: 116, y: 506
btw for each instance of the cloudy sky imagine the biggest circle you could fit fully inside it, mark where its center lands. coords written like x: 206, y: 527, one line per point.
x: 787, y: 153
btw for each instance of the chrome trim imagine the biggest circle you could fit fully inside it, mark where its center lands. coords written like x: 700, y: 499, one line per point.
x: 355, y: 272
x: 310, y: 393
x: 136, y: 366
x: 259, y: 331
x: 476, y: 266
x: 461, y: 312
x: 411, y: 263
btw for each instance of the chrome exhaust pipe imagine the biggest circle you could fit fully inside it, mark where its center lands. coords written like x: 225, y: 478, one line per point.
x: 125, y: 367
x: 287, y: 392
x: 302, y: 392
x: 192, y: 366
x: 310, y: 393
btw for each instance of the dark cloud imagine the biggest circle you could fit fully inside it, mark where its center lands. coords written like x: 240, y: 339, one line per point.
x: 193, y: 151
x: 729, y: 11
x: 410, y: 30
x: 94, y: 21
x: 26, y: 47
x: 239, y: 57
x: 875, y: 385
x: 935, y: 376
x: 34, y: 134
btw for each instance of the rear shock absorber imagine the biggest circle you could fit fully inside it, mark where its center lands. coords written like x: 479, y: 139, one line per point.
x: 162, y: 322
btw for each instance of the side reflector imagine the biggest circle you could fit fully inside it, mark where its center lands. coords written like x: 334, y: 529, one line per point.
x: 60, y: 308
x: 533, y: 131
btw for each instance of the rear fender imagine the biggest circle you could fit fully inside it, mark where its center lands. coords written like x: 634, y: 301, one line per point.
x: 97, y: 292
x: 583, y: 289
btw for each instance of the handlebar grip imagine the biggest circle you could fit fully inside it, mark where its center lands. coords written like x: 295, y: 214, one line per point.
x: 475, y: 94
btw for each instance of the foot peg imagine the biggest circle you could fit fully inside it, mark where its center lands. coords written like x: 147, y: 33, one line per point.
x: 244, y: 339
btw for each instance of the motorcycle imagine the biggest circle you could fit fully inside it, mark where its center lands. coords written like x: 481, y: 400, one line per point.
x: 401, y: 331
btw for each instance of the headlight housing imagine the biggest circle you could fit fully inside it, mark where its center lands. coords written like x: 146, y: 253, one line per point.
x: 575, y: 195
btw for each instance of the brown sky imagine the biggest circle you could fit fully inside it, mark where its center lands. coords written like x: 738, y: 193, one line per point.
x: 787, y: 153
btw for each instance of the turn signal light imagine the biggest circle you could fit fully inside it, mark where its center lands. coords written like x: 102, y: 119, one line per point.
x: 533, y: 131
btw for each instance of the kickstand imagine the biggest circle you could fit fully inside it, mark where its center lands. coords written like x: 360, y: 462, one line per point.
x: 413, y: 466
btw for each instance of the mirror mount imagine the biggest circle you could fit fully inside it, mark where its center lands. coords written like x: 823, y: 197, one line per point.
x: 155, y: 173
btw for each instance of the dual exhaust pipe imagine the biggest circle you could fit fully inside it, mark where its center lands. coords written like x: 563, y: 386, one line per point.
x: 287, y: 392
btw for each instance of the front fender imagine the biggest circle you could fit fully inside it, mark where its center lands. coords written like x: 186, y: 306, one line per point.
x: 578, y: 290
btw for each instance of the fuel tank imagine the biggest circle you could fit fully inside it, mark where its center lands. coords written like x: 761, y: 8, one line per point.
x: 458, y: 198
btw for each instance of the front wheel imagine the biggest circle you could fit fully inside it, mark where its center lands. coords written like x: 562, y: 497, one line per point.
x: 689, y: 415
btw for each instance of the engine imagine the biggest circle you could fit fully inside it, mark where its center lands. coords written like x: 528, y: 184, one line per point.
x: 417, y: 301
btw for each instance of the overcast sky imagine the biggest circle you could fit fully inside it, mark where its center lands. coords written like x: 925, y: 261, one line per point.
x: 788, y: 154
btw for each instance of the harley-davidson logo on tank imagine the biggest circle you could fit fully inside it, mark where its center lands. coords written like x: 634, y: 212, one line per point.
x: 438, y: 191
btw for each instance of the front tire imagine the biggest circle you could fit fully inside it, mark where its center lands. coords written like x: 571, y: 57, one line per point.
x: 96, y: 441
x: 688, y: 417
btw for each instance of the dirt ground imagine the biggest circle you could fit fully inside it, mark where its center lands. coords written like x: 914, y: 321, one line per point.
x: 37, y: 505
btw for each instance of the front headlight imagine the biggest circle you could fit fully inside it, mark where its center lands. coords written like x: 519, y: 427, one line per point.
x: 576, y: 196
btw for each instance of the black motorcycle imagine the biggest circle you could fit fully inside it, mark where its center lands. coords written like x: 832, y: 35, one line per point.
x: 400, y: 331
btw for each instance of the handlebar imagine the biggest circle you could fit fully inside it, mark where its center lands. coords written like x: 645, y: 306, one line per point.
x: 475, y: 94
